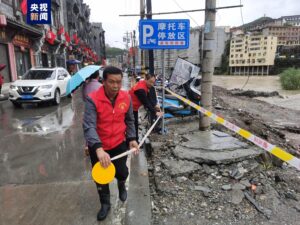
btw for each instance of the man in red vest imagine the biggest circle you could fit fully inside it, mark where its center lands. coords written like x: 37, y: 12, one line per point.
x: 108, y: 125
x: 140, y: 95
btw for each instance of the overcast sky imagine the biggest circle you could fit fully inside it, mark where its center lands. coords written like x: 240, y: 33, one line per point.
x: 115, y: 27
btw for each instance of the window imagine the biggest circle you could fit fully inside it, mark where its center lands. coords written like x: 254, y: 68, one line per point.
x: 8, y: 2
x: 54, y: 18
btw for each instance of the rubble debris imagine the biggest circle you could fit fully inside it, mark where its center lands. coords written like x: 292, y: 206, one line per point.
x: 237, y: 196
x: 180, y: 167
x: 266, y: 212
x: 273, y: 192
x: 254, y: 94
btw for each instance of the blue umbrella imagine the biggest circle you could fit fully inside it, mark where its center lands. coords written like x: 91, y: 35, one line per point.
x: 73, y: 61
x: 79, y: 78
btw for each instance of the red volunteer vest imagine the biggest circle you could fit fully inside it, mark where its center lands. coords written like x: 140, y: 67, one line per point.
x: 111, y: 125
x: 1, y: 79
x: 136, y: 104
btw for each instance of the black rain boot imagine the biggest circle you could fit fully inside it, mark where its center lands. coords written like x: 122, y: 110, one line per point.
x: 105, y: 202
x: 122, y: 191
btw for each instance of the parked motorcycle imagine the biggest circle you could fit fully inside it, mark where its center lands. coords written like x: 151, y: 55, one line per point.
x: 173, y: 106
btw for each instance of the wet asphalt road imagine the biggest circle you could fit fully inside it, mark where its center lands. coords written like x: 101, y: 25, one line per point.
x: 45, y: 177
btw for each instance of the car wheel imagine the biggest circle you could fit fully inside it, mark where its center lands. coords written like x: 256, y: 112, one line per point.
x: 56, y: 99
x: 16, y: 104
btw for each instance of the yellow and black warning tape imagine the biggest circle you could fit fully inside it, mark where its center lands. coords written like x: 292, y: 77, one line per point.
x: 273, y: 149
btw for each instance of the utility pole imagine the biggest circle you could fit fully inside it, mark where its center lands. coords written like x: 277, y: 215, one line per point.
x: 126, y: 40
x: 133, y: 49
x: 208, y: 61
x: 150, y: 52
x: 142, y: 15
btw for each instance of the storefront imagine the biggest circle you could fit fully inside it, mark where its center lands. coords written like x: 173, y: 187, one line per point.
x: 52, y: 55
x: 17, y: 42
x: 23, y: 54
x: 45, y: 59
x: 4, y: 57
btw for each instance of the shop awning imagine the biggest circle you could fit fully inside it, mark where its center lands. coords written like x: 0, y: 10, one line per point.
x: 25, y: 28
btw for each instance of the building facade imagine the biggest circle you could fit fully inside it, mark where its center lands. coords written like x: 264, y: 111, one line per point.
x: 193, y: 53
x: 97, y: 41
x: 291, y: 20
x: 70, y: 35
x: 17, y: 40
x: 286, y: 35
x: 252, y: 54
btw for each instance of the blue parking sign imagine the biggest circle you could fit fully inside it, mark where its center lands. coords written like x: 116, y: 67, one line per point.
x: 164, y: 34
x: 39, y: 11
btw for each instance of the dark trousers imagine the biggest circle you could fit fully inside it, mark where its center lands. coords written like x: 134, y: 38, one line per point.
x: 120, y: 165
x: 136, y: 124
x: 0, y: 88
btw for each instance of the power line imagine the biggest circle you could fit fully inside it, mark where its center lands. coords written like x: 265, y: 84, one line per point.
x: 247, y: 46
x: 241, y: 12
x: 185, y: 11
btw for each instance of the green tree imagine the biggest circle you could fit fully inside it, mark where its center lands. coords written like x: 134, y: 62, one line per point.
x: 290, y: 79
x: 112, y: 52
x: 224, y: 69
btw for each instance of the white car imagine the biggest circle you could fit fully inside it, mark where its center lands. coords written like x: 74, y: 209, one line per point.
x: 101, y: 72
x: 38, y: 85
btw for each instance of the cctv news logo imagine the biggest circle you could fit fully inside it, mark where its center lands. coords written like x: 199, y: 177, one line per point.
x: 39, y: 11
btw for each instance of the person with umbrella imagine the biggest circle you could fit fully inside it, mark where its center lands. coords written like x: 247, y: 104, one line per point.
x: 2, y: 66
x: 72, y: 65
x: 81, y: 77
x: 91, y: 84
x: 108, y: 124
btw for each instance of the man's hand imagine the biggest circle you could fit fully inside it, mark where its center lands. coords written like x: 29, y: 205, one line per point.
x: 158, y: 114
x: 158, y: 111
x: 134, y: 144
x: 157, y: 108
x: 103, y: 157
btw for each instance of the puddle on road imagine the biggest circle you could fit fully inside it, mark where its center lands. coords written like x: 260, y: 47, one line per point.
x: 57, y: 121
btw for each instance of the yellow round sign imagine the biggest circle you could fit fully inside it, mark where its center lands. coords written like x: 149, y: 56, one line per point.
x: 103, y: 175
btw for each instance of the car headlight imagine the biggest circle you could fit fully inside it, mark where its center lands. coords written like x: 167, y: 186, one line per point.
x: 48, y: 86
x: 13, y: 87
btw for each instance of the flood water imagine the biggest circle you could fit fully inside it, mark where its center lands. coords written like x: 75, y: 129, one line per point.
x: 291, y: 99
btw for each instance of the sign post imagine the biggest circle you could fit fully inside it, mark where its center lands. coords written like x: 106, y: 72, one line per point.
x: 164, y: 34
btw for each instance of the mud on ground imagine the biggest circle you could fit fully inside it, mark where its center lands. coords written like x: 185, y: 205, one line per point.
x: 253, y: 191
